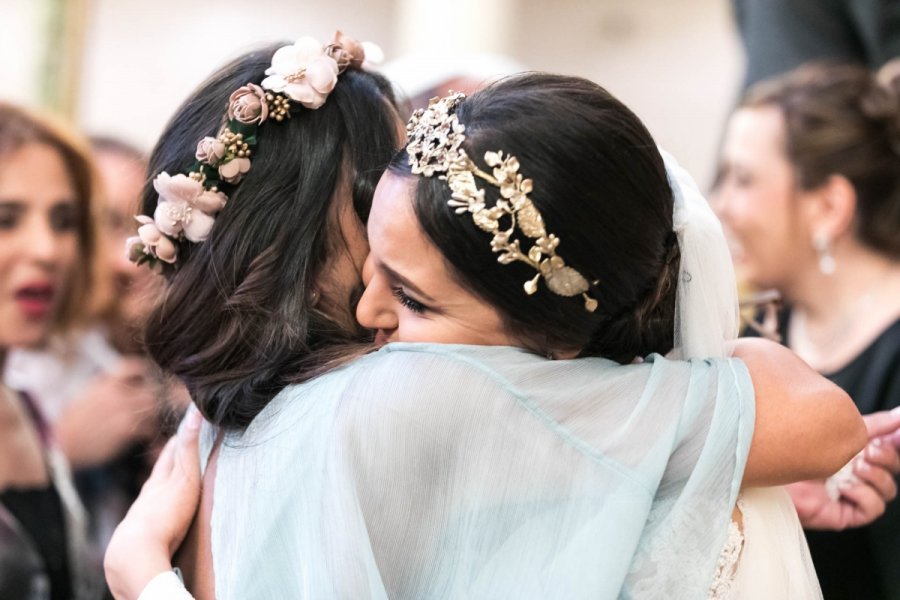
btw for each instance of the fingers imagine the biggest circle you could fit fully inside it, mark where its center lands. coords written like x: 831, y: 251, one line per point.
x: 882, y: 423
x: 866, y: 502
x: 187, y: 453
x: 880, y: 479
x: 165, y: 462
x: 881, y: 453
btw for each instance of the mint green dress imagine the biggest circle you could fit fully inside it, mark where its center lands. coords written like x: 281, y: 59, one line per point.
x: 427, y: 471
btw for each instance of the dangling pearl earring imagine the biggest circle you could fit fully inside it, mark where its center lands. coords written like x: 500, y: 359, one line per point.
x: 822, y: 244
x: 314, y: 297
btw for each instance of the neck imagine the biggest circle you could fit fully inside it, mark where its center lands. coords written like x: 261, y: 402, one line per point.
x: 860, y: 274
x: 837, y: 316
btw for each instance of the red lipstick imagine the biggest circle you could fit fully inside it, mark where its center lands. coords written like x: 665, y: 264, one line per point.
x: 35, y: 300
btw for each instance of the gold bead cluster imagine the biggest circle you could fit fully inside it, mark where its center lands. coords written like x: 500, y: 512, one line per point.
x: 234, y: 144
x: 200, y: 177
x: 279, y: 107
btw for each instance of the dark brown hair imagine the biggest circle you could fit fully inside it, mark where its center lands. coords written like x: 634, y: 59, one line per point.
x: 601, y: 186
x: 18, y: 128
x: 239, y: 320
x: 840, y: 120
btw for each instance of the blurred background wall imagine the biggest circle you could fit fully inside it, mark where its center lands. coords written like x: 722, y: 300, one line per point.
x: 122, y: 67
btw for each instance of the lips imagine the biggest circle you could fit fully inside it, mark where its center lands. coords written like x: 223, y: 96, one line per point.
x: 35, y: 300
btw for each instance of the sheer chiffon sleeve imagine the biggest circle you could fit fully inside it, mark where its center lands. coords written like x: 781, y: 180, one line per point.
x: 426, y: 471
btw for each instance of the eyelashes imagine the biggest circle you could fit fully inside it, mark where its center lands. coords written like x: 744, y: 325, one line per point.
x: 407, y: 302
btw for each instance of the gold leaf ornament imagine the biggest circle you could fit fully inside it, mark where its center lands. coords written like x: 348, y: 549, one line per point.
x: 530, y: 220
x: 435, y: 147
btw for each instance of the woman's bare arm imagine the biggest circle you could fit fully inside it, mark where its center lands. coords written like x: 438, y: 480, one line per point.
x: 806, y: 426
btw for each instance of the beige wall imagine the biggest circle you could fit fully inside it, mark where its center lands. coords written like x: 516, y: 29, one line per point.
x: 675, y: 62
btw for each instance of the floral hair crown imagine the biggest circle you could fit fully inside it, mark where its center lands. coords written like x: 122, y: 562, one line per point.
x: 305, y: 73
x: 435, y: 146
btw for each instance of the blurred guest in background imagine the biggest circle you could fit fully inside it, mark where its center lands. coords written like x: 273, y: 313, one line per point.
x: 809, y: 188
x: 103, y: 398
x: 47, y: 250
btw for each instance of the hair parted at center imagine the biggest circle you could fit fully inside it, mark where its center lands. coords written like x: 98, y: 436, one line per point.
x: 239, y: 320
x: 599, y: 190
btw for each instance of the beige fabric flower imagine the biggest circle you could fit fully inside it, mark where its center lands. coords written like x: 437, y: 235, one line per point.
x: 180, y: 210
x: 234, y: 170
x: 248, y: 105
x: 210, y: 150
x: 302, y: 72
x: 346, y: 51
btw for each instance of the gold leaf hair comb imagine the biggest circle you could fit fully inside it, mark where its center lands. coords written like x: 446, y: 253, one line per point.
x: 435, y: 146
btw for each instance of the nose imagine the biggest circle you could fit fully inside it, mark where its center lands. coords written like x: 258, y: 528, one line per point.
x: 376, y: 308
x: 41, y: 240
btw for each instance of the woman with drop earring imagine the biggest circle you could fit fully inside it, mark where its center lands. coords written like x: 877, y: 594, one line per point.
x: 809, y: 188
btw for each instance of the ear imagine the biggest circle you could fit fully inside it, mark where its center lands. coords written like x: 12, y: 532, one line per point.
x: 830, y: 208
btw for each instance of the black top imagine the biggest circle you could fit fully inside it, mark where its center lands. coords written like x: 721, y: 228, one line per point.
x: 40, y: 513
x: 863, y: 563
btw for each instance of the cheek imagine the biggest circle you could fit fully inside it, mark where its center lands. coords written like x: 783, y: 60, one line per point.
x: 68, y: 255
x: 742, y: 211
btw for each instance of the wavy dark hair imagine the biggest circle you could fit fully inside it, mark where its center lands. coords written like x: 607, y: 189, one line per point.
x: 601, y: 186
x: 239, y: 321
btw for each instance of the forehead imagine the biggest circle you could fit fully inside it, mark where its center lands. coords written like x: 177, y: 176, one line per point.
x: 392, y: 221
x: 35, y: 169
x: 756, y: 131
x: 395, y: 236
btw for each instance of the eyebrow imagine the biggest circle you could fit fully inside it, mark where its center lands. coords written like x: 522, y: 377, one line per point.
x: 404, y: 281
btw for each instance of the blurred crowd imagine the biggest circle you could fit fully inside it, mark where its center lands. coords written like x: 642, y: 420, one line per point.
x: 85, y: 421
x: 808, y: 189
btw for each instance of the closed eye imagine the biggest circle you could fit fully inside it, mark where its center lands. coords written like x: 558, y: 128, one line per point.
x: 407, y: 302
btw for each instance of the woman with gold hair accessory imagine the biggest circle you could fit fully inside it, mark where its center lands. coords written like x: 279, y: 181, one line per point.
x: 458, y: 460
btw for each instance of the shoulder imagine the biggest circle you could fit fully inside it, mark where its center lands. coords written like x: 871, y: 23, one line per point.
x: 873, y: 377
x: 440, y: 370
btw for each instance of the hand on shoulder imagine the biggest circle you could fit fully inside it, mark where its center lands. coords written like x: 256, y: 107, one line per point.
x: 143, y: 544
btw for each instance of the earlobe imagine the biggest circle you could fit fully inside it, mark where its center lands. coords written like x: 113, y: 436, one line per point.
x: 838, y: 207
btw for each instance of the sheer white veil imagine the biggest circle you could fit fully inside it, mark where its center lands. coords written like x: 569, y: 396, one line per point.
x: 706, y: 306
x: 775, y: 560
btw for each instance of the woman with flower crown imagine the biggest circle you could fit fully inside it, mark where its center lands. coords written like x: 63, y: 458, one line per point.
x: 470, y: 465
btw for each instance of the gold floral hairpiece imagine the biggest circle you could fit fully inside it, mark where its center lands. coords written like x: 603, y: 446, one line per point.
x: 435, y: 146
x: 304, y: 73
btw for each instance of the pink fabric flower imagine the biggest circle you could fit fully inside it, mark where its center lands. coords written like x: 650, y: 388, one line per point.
x: 303, y: 72
x: 233, y: 171
x: 210, y: 202
x: 210, y: 150
x: 151, y: 241
x: 248, y: 105
x: 182, y: 189
x: 346, y: 51
x: 180, y: 210
x: 176, y: 219
x: 177, y: 188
